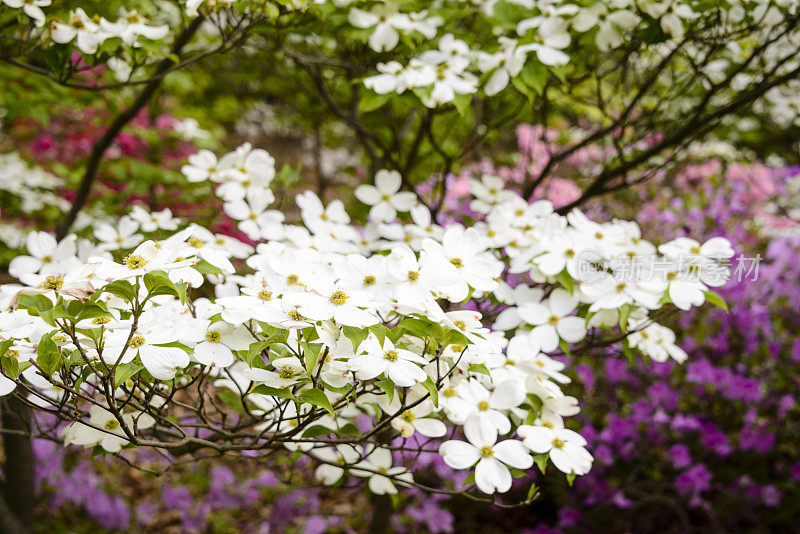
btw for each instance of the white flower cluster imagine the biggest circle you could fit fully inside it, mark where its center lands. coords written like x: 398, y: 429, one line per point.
x: 88, y: 32
x: 329, y: 322
x: 546, y: 34
x: 547, y: 28
x: 31, y: 187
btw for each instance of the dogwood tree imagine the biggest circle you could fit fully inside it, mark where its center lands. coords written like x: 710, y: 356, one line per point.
x: 419, y: 91
x: 358, y: 346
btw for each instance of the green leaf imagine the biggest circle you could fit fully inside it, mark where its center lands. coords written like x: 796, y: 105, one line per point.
x: 356, y: 335
x: 182, y: 288
x: 570, y: 478
x: 121, y: 288
x: 315, y: 431
x: 125, y: 371
x: 310, y: 355
x: 372, y: 101
x: 431, y: 387
x: 624, y: 313
x: 387, y: 385
x: 565, y: 280
x: 350, y: 429
x: 48, y: 356
x: 380, y: 331
x: 263, y: 389
x: 421, y: 328
x: 541, y: 461
x: 535, y: 401
x: 37, y: 302
x: 11, y: 367
x: 91, y: 311
x: 455, y: 337
x: 462, y: 102
x: 158, y: 283
x: 716, y: 299
x: 231, y: 399
x: 255, y: 350
x: 532, y: 491
x: 478, y: 368
x: 203, y: 267
x: 534, y: 75
x: 470, y: 479
x: 317, y: 398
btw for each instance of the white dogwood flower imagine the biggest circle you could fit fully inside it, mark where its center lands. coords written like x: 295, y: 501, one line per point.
x: 565, y: 447
x: 385, y: 196
x: 490, y: 458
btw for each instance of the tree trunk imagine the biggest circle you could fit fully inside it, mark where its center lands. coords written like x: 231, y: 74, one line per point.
x: 381, y: 512
x: 18, y: 491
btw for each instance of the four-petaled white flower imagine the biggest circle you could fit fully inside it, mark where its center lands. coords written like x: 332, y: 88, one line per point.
x: 565, y: 447
x: 385, y: 196
x: 552, y: 320
x: 105, y: 429
x: 378, y: 467
x: 492, y: 458
x: 400, y: 365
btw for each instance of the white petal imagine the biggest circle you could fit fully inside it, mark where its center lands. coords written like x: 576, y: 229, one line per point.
x: 459, y: 454
x: 512, y: 452
x: 492, y: 476
x: 162, y: 362
x: 388, y: 181
x: 432, y: 428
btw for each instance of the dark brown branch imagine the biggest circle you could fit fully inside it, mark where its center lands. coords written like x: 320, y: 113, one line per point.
x: 99, y: 149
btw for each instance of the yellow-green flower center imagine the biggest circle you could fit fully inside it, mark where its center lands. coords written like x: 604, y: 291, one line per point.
x: 487, y: 452
x: 213, y: 336
x: 408, y: 416
x: 338, y: 297
x: 134, y: 262
x: 101, y: 320
x: 137, y: 341
x: 558, y: 443
x: 194, y: 242
x: 369, y: 280
x: 458, y: 262
x: 265, y: 295
x: 484, y: 405
x: 286, y: 372
x: 111, y: 424
x: 54, y: 282
x: 390, y: 355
